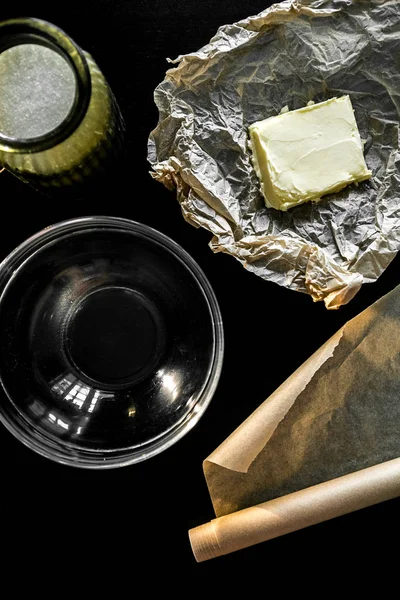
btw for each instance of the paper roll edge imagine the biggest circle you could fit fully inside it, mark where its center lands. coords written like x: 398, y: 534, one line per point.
x: 204, y: 542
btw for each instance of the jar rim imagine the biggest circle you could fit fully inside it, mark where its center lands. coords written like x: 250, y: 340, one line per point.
x: 14, y: 32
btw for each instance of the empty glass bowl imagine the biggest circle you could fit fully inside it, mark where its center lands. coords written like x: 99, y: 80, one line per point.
x: 111, y: 342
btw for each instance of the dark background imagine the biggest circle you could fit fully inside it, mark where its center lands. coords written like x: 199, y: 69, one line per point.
x: 137, y: 518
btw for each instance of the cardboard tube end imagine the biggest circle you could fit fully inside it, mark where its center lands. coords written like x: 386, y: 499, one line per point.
x: 204, y: 542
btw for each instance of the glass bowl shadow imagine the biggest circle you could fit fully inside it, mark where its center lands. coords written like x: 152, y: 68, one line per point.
x: 111, y: 342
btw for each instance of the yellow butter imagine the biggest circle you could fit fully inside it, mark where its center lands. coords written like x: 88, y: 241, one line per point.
x: 301, y: 155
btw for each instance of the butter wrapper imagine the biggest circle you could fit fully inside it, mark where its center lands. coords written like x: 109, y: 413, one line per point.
x: 291, y: 53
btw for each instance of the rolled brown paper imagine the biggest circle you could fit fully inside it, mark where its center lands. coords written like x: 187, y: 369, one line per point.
x: 296, y: 511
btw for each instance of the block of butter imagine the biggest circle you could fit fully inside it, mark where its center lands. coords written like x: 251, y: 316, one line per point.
x: 301, y: 155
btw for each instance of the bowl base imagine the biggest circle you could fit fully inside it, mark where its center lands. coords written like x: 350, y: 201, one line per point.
x: 115, y: 337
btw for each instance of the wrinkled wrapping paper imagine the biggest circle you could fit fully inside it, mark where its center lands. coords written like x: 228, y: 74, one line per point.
x: 337, y: 415
x: 289, y: 54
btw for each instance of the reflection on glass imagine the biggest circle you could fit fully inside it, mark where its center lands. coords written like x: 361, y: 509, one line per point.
x: 74, y: 393
x: 169, y: 383
x: 57, y: 421
x: 80, y: 394
x: 37, y: 408
x: 93, y: 401
x: 63, y: 384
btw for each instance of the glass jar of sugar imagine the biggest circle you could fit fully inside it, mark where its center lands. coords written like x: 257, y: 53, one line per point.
x: 60, y: 125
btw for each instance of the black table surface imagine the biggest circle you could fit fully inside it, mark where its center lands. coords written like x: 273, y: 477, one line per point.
x: 137, y: 518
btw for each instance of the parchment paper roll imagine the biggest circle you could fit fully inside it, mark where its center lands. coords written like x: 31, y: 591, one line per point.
x: 323, y: 444
x: 295, y: 511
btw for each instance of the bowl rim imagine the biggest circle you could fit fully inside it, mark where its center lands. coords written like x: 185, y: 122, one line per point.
x: 55, y: 450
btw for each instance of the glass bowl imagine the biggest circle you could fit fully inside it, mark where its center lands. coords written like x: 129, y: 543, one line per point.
x: 111, y: 342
